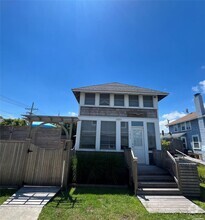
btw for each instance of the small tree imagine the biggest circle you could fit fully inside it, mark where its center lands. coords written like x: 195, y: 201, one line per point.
x: 13, y: 122
x: 165, y: 144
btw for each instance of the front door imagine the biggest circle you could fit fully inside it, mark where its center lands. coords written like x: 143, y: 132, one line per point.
x: 138, y: 148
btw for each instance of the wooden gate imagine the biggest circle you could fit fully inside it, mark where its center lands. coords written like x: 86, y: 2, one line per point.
x: 22, y: 162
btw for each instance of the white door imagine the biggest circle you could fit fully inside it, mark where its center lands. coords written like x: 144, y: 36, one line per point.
x: 138, y: 147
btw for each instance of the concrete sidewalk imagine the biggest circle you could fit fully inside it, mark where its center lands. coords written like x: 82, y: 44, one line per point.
x: 27, y: 202
x: 169, y: 204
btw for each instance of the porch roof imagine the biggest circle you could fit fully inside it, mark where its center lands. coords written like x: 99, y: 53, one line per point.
x: 51, y: 118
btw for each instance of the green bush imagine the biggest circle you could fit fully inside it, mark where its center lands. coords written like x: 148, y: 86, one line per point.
x: 99, y: 168
x: 201, y: 172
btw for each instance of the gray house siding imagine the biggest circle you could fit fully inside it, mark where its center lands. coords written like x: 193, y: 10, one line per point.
x: 194, y: 131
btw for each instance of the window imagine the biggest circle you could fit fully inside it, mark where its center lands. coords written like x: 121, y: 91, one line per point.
x: 124, y: 135
x: 148, y: 101
x: 151, y: 136
x: 89, y: 99
x: 183, y: 126
x: 195, y: 142
x: 104, y: 99
x: 175, y: 128
x: 137, y: 123
x: 184, y: 142
x: 188, y: 125
x: 108, y: 135
x: 133, y: 101
x: 88, y: 134
x: 119, y: 100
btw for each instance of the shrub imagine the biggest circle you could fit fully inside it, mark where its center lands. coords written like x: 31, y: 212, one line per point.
x: 99, y: 168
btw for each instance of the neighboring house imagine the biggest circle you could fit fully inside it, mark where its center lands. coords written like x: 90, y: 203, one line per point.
x: 115, y: 116
x: 191, y: 128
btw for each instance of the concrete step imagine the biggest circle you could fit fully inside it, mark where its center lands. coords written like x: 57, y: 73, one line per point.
x: 146, y: 184
x: 160, y: 178
x: 158, y: 191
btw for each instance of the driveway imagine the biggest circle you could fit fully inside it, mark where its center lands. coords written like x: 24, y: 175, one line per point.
x: 27, y: 202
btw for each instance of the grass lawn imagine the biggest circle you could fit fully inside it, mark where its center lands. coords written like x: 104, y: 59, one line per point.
x: 5, y: 194
x: 105, y: 203
x: 201, y: 172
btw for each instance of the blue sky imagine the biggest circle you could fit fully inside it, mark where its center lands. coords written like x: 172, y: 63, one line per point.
x: 48, y: 47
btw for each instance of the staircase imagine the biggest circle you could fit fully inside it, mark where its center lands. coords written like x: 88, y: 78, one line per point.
x: 153, y: 180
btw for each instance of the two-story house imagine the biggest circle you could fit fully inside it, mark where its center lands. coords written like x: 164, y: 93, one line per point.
x: 191, y: 127
x: 115, y: 116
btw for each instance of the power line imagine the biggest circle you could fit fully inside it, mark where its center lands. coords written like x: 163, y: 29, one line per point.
x: 12, y: 101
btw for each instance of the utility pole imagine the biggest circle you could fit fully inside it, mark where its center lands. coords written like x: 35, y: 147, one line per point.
x: 31, y: 109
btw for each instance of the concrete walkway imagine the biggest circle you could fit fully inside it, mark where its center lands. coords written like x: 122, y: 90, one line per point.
x: 169, y: 204
x: 27, y: 202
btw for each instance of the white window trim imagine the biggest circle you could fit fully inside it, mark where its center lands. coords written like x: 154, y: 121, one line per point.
x: 190, y: 125
x: 185, y: 141
x: 184, y: 126
x: 175, y: 126
x: 196, y: 135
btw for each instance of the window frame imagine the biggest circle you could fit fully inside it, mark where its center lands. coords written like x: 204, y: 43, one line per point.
x: 123, y: 100
x: 133, y: 106
x: 100, y: 99
x: 185, y: 142
x: 145, y: 100
x: 193, y: 143
x: 87, y: 93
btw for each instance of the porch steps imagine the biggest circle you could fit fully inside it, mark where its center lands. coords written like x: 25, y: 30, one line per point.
x: 158, y: 184
x: 153, y: 180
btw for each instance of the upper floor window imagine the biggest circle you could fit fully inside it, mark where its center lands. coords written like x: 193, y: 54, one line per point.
x: 148, y: 101
x: 195, y: 142
x: 133, y: 101
x: 104, y: 99
x: 119, y: 100
x: 175, y: 127
x: 188, y: 125
x: 183, y: 126
x: 89, y: 98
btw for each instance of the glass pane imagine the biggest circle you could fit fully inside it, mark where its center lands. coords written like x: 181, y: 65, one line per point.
x: 104, y: 99
x: 148, y: 101
x: 137, y: 141
x: 89, y: 99
x: 88, y: 134
x: 108, y: 135
x: 137, y: 123
x: 151, y: 136
x: 133, y: 101
x: 195, y: 139
x: 119, y: 100
x: 124, y: 135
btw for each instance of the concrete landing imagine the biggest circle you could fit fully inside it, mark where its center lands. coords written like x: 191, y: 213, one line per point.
x: 169, y: 204
x: 27, y: 202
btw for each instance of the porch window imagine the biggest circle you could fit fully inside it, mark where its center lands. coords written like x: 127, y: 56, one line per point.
x: 148, y: 101
x: 195, y: 142
x: 133, y: 101
x: 88, y: 135
x: 151, y: 136
x: 104, y: 99
x: 124, y: 135
x: 89, y: 98
x: 108, y: 135
x: 119, y: 100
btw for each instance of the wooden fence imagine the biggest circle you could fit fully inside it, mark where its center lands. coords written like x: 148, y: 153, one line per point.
x: 22, y: 162
x: 131, y: 161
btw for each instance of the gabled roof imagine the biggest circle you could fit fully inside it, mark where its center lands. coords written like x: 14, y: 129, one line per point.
x: 189, y: 117
x: 118, y: 88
